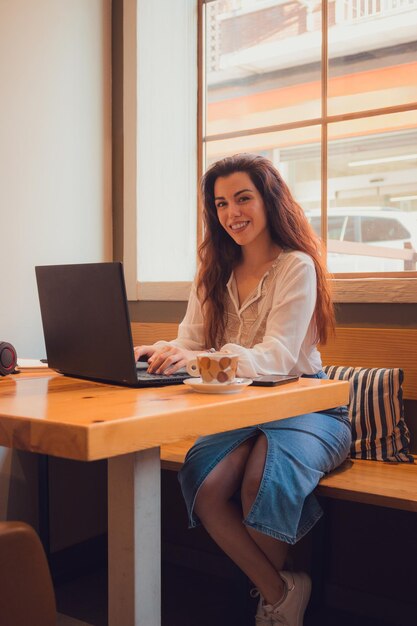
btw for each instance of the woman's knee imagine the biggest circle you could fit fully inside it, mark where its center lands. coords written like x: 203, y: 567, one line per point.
x: 253, y: 474
x: 223, y: 481
x: 208, y: 497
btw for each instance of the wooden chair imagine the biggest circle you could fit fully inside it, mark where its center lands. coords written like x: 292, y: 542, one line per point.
x: 26, y: 591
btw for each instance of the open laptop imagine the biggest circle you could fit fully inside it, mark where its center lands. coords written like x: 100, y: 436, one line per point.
x: 86, y: 325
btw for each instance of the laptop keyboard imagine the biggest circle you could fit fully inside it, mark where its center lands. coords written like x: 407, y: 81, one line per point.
x: 146, y: 377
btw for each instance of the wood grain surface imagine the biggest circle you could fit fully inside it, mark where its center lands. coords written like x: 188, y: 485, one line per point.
x: 393, y: 485
x: 78, y: 419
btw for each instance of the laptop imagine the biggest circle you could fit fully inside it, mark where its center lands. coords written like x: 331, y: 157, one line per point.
x: 86, y: 325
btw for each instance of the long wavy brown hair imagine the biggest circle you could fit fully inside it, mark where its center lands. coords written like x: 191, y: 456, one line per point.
x: 219, y: 254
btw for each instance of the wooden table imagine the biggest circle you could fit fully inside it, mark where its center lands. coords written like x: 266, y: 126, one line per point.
x: 47, y: 413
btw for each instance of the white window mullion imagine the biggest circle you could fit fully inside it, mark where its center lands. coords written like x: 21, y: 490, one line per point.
x: 166, y: 142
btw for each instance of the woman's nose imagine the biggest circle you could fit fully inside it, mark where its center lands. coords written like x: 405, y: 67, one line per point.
x: 234, y: 209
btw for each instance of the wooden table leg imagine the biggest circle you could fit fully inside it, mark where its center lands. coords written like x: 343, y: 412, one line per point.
x: 134, y: 539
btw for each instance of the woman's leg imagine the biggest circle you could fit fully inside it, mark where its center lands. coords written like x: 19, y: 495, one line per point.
x: 222, y: 518
x: 274, y: 549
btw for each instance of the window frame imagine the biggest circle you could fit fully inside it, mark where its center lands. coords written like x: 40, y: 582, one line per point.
x: 126, y: 250
x: 356, y: 287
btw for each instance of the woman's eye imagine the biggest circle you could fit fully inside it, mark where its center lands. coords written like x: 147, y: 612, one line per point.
x: 220, y: 205
x: 243, y: 198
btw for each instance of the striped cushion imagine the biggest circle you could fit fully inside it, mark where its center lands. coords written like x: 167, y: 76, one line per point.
x: 376, y: 411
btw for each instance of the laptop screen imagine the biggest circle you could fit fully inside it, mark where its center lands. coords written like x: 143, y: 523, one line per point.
x: 86, y: 321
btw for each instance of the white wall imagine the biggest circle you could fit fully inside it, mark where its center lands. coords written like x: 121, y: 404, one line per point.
x: 55, y: 173
x: 55, y: 148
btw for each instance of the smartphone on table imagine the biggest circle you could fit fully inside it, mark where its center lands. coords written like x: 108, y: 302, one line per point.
x: 272, y: 380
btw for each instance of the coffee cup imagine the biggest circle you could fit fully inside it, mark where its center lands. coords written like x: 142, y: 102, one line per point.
x: 217, y: 368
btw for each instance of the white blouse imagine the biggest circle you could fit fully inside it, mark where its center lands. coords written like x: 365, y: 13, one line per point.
x: 272, y: 331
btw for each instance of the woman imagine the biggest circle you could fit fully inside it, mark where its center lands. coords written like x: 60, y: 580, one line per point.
x: 261, y: 292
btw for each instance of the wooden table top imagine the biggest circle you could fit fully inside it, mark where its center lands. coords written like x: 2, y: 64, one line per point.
x: 45, y: 412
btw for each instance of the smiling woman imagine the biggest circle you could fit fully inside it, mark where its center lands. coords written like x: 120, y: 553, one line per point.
x: 260, y: 293
x: 249, y: 187
x: 241, y: 210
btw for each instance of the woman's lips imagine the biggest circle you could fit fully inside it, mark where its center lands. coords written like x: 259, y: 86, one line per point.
x: 238, y: 227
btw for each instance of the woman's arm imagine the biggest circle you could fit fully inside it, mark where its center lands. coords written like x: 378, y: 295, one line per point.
x: 169, y: 356
x: 288, y: 323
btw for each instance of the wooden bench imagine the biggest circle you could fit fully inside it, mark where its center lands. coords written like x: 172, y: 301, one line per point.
x: 392, y: 485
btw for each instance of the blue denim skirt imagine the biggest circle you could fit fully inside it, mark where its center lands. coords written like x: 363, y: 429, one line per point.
x: 300, y: 451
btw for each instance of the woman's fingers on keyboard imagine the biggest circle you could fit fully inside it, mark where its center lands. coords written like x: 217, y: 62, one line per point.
x: 158, y: 353
x: 168, y: 358
x: 174, y: 368
x: 156, y: 360
x: 139, y: 351
x: 142, y: 351
x: 167, y: 363
x: 162, y: 364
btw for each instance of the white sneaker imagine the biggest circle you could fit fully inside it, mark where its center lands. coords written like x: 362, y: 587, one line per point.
x: 290, y: 611
x: 262, y: 618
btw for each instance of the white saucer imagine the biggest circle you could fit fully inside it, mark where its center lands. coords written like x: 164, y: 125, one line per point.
x: 237, y: 385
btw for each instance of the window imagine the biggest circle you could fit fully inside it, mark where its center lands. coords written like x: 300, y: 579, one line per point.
x: 160, y: 86
x: 328, y: 92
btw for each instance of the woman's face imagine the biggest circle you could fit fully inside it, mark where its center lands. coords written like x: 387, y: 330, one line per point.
x: 240, y: 208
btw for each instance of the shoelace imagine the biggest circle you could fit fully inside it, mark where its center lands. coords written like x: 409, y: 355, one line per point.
x: 261, y: 618
x: 269, y: 617
x: 278, y: 619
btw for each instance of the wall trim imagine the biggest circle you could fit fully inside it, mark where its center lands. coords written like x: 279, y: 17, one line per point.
x: 347, y: 290
x: 177, y: 291
x: 392, y: 290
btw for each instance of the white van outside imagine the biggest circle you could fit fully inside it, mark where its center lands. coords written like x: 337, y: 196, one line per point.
x: 385, y: 228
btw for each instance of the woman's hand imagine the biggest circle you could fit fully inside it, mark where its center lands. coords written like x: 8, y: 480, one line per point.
x: 142, y: 350
x: 166, y: 359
